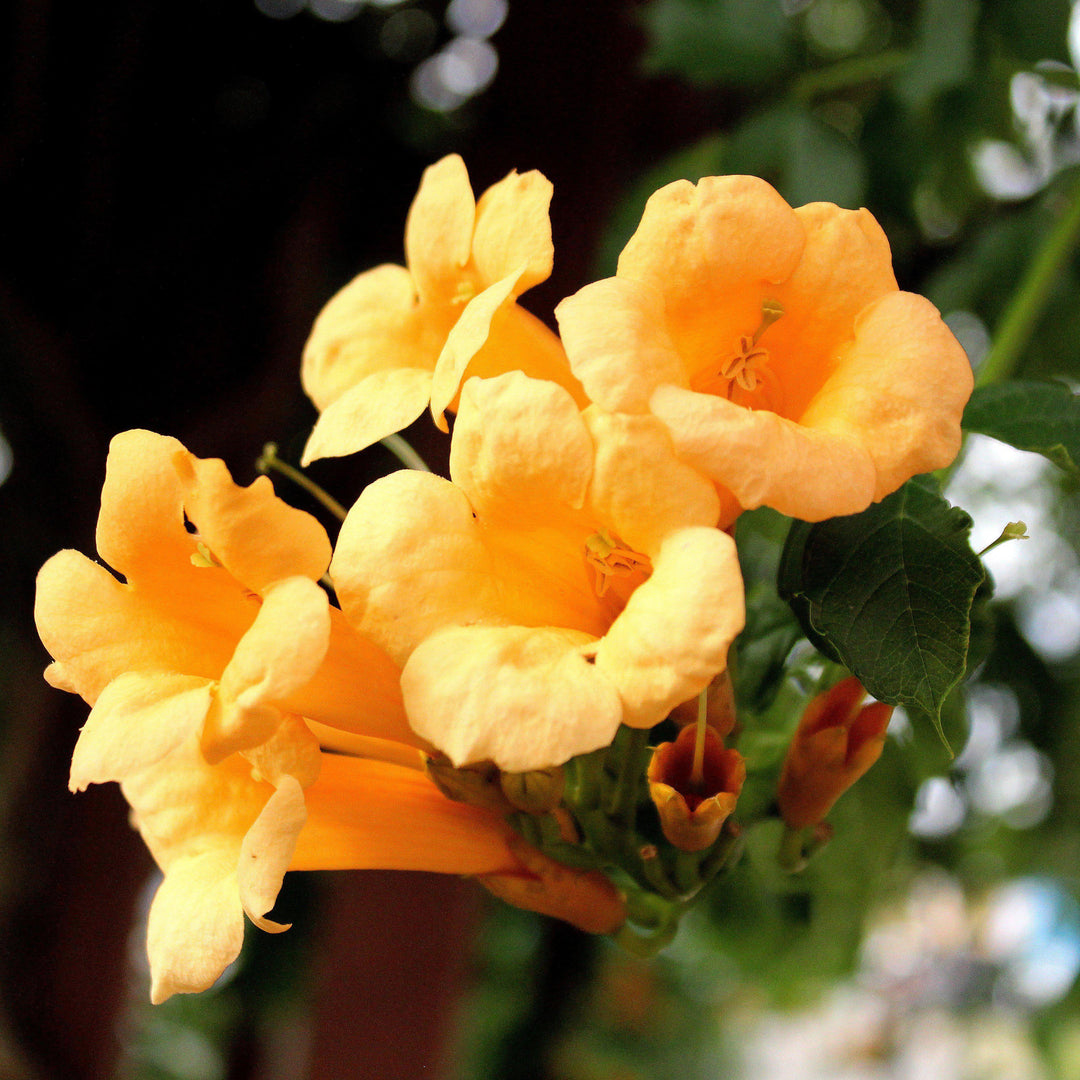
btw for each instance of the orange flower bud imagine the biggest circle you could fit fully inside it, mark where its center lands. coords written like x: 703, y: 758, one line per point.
x: 835, y: 743
x: 584, y: 898
x: 693, y: 808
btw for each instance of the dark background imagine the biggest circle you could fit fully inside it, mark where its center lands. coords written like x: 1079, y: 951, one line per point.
x: 182, y: 187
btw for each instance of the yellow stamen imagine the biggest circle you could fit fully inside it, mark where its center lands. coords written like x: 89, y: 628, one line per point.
x: 746, y: 368
x: 608, y: 559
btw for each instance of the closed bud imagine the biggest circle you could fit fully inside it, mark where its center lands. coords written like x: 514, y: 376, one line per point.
x: 477, y: 784
x: 837, y: 740
x: 536, y: 791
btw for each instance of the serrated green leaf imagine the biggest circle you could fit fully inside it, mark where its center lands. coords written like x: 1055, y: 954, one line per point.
x: 888, y: 593
x: 1031, y: 415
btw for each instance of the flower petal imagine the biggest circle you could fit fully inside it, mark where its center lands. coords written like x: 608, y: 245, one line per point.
x: 290, y: 542
x: 279, y: 653
x: 375, y: 407
x: 765, y: 459
x: 617, y: 341
x: 845, y: 265
x: 465, y: 340
x: 196, y: 925
x: 372, y: 814
x: 639, y: 485
x: 520, y: 449
x: 713, y: 251
x: 899, y: 389
x: 375, y: 323
x: 439, y: 230
x: 96, y: 627
x: 140, y: 528
x: 513, y: 230
x: 673, y: 636
x: 267, y: 850
x: 525, y: 698
x: 138, y: 719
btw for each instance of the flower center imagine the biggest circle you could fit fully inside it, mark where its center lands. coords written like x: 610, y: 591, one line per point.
x: 608, y: 559
x: 746, y: 368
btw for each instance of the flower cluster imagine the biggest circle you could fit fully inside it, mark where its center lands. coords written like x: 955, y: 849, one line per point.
x: 480, y: 698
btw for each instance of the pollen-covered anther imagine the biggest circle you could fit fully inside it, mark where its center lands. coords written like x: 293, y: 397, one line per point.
x: 609, y: 559
x: 747, y: 367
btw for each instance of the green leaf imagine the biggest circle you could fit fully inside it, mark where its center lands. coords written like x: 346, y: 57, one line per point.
x: 888, y: 593
x: 944, y: 51
x: 804, y: 158
x: 1030, y: 415
x: 718, y: 41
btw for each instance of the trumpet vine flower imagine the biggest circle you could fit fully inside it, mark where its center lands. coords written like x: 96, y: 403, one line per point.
x: 775, y: 345
x: 568, y: 579
x: 398, y: 338
x: 209, y: 670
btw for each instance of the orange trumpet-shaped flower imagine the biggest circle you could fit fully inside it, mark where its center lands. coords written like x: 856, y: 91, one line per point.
x: 837, y: 740
x: 210, y: 669
x: 568, y: 580
x: 396, y: 339
x: 775, y: 345
x: 695, y: 797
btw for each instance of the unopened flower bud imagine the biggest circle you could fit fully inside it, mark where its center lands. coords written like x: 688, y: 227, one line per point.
x: 584, y: 898
x: 837, y: 740
x: 536, y: 791
x: 474, y: 784
x: 695, y: 797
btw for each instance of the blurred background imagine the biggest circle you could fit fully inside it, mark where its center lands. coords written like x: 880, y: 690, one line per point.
x: 184, y: 184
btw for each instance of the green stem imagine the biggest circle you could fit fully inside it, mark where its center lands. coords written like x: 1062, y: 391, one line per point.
x: 1027, y: 303
x: 404, y: 453
x: 270, y: 461
x: 847, y: 73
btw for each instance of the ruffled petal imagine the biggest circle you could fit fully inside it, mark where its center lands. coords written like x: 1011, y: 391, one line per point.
x: 375, y: 407
x: 713, y: 251
x: 229, y: 517
x: 616, y: 337
x: 196, y: 925
x: 845, y: 265
x: 465, y: 340
x: 513, y: 230
x: 899, y: 389
x: 639, y: 486
x: 138, y: 719
x: 525, y: 698
x: 375, y: 323
x: 399, y: 579
x: 372, y: 814
x: 279, y: 653
x: 521, y: 449
x: 439, y: 230
x: 96, y: 628
x: 140, y: 529
x: 673, y: 637
x: 765, y: 459
x: 266, y: 851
